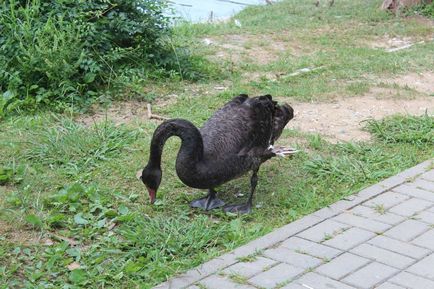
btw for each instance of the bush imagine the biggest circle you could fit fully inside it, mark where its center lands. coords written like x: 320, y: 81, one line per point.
x: 57, y: 52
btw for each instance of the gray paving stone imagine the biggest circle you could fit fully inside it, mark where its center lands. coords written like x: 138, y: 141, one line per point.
x: 363, y: 223
x: 314, y: 280
x: 248, y: 269
x: 370, y: 275
x: 276, y: 275
x: 407, y: 230
x: 425, y: 240
x: 310, y: 247
x: 388, y: 285
x: 193, y: 287
x: 425, y: 216
x: 424, y: 267
x: 293, y: 285
x: 283, y: 254
x: 349, y: 239
x: 413, y: 191
x: 411, y: 281
x: 372, y: 214
x: 342, y: 265
x: 400, y: 247
x: 410, y: 207
x: 318, y: 232
x: 219, y: 282
x: 387, y: 200
x: 424, y: 184
x: 383, y: 256
x: 428, y: 176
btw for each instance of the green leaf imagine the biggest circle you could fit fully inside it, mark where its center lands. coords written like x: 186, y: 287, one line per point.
x: 89, y: 77
x: 132, y: 267
x: 111, y: 213
x: 8, y: 95
x: 78, y: 276
x: 79, y: 220
x: 123, y: 210
x: 34, y: 220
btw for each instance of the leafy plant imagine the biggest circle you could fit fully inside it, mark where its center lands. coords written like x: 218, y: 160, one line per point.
x: 63, y: 53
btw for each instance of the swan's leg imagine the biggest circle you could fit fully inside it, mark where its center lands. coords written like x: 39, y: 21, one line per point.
x: 209, y: 202
x: 247, y: 207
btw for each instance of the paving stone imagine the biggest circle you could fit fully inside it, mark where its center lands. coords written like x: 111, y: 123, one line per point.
x: 425, y: 240
x: 428, y: 175
x: 370, y: 275
x: 311, y: 248
x: 407, y: 230
x: 248, y: 269
x: 383, y: 256
x: 410, y: 207
x: 219, y: 282
x: 367, y: 224
x: 424, y: 185
x: 349, y: 239
x: 424, y: 267
x: 400, y: 247
x: 293, y: 285
x: 291, y: 257
x: 387, y: 200
x: 193, y: 287
x: 318, y: 232
x: 342, y: 265
x: 425, y: 216
x: 314, y: 280
x: 411, y: 281
x: 415, y: 192
x: 388, y: 285
x: 276, y: 275
x: 372, y: 214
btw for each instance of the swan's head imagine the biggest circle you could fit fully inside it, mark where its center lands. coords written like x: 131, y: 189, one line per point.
x: 151, y: 177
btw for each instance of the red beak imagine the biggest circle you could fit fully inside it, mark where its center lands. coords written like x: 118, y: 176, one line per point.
x: 152, y: 194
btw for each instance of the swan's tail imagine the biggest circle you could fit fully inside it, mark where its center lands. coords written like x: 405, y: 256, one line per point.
x: 282, y: 115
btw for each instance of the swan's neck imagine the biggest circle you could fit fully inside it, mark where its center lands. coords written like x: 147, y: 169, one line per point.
x: 191, y: 151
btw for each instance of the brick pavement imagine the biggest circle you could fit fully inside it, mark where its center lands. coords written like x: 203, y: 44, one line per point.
x: 382, y: 237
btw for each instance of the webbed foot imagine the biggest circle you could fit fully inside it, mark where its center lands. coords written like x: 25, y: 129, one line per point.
x: 207, y: 203
x: 239, y: 209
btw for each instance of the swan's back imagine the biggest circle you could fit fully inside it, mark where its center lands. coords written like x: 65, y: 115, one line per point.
x: 244, y: 126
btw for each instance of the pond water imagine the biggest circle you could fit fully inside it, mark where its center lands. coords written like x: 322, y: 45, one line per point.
x: 204, y: 10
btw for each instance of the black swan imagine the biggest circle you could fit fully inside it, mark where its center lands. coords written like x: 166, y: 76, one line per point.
x: 238, y: 138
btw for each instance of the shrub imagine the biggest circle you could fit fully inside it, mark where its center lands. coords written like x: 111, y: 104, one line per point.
x: 54, y: 52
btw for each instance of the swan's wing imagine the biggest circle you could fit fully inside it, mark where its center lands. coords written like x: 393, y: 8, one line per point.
x: 243, y: 126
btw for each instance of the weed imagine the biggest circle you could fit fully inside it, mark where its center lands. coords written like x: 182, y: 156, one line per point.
x: 380, y: 209
x: 250, y: 258
x: 237, y: 278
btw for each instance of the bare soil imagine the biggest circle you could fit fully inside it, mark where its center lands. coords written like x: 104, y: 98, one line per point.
x: 18, y: 235
x: 339, y: 120
x: 343, y: 119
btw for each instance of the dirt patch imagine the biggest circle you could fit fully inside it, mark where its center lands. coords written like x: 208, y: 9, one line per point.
x: 342, y: 120
x: 118, y: 112
x: 18, y: 235
x: 392, y: 44
x: 421, y: 82
x: 259, y: 49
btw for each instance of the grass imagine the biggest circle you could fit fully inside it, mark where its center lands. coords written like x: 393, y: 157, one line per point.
x: 69, y: 197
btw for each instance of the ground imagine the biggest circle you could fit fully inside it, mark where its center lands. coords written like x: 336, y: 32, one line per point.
x: 72, y: 212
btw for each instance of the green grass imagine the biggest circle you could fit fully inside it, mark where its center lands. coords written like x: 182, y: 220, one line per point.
x: 123, y: 241
x: 69, y: 195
